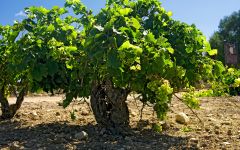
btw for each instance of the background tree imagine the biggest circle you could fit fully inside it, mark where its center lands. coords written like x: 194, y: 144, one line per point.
x: 228, y: 31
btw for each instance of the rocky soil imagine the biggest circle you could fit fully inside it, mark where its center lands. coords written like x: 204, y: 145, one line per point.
x: 42, y: 124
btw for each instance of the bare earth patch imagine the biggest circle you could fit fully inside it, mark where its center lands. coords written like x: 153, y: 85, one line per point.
x: 42, y: 124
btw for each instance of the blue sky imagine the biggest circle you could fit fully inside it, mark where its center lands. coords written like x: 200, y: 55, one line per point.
x: 205, y: 14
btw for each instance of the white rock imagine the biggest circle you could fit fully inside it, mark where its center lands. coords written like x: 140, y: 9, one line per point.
x: 209, y: 115
x: 34, y: 113
x: 133, y: 113
x: 226, y: 143
x: 194, y: 140
x: 81, y: 136
x: 182, y: 118
x: 213, y: 120
x: 84, y: 112
x: 14, y: 146
x: 226, y: 123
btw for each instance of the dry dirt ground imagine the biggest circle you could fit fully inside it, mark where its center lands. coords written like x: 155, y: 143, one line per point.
x: 42, y: 124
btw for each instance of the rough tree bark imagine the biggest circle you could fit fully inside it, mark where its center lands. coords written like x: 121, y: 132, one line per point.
x: 109, y: 106
x: 8, y: 111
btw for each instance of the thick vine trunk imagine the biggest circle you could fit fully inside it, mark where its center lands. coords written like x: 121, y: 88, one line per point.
x: 8, y: 111
x: 109, y: 106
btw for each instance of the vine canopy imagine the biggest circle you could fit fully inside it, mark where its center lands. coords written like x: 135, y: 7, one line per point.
x: 134, y: 44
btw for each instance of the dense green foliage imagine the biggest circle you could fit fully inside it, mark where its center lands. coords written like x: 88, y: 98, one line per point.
x: 229, y: 31
x: 228, y: 84
x: 35, y: 53
x: 140, y: 48
x: 134, y: 44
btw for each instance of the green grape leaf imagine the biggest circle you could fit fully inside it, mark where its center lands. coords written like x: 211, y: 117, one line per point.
x: 213, y: 52
x: 71, y: 48
x: 125, y: 11
x: 127, y: 45
x: 170, y: 50
x: 39, y: 71
x: 52, y: 67
x: 50, y: 28
x: 150, y: 38
x: 135, y: 23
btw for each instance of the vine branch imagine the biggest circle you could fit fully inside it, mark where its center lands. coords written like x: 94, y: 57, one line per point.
x: 180, y: 99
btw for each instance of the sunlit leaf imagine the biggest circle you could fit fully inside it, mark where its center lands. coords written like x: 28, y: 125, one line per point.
x: 169, y: 14
x: 213, y: 52
x: 125, y: 11
x: 135, y: 23
x: 170, y: 50
x: 50, y: 28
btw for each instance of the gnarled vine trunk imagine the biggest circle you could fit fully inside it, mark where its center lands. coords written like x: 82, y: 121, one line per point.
x: 109, y: 106
x: 8, y: 111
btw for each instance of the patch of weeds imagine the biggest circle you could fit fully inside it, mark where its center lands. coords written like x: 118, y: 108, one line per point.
x: 157, y: 128
x: 73, y: 115
x: 186, y: 129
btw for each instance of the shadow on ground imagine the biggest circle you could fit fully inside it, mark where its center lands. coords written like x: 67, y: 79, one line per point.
x: 62, y: 136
